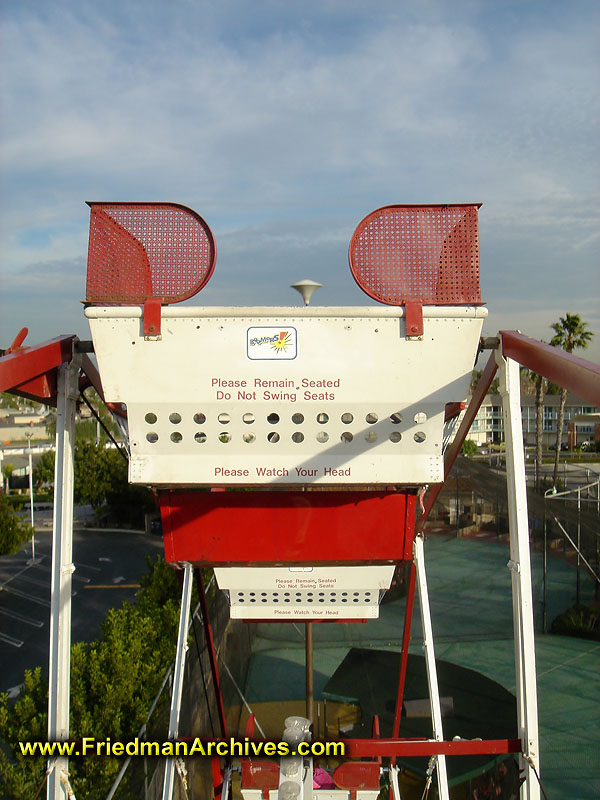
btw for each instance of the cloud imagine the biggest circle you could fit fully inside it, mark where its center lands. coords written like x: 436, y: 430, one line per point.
x: 284, y: 124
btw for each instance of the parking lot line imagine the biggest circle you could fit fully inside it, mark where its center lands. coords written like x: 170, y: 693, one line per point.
x: 112, y: 586
x: 10, y: 640
x: 25, y: 596
x: 34, y: 582
x: 22, y: 618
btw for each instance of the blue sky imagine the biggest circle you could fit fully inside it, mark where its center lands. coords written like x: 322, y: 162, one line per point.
x: 283, y: 123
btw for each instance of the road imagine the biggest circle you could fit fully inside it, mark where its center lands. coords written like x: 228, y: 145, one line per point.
x: 107, y: 572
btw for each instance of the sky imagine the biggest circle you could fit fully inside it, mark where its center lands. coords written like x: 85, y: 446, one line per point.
x: 283, y: 123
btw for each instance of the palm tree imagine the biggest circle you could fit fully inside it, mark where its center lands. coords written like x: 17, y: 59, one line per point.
x: 540, y: 384
x: 569, y: 333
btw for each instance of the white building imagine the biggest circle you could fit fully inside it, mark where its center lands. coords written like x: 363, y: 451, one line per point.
x: 488, y: 425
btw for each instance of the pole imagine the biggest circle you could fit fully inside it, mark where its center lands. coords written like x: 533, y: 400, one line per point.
x: 31, y: 500
x: 212, y: 653
x: 309, y: 669
x: 520, y: 567
x: 457, y: 505
x: 410, y: 599
x: 434, y: 692
x: 545, y: 566
x: 578, y: 544
x: 59, y: 676
x: 178, y: 673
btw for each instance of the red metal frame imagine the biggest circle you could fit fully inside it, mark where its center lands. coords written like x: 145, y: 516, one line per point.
x: 410, y: 748
x: 287, y: 527
x: 410, y: 601
x: 31, y: 371
x: 576, y: 374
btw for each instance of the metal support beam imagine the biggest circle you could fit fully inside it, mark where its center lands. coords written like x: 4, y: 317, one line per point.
x: 184, y: 623
x: 573, y: 373
x: 212, y: 653
x: 520, y: 567
x: 62, y: 569
x: 434, y: 692
x: 410, y: 598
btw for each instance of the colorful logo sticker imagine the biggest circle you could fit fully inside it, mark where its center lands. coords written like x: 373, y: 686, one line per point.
x: 271, y: 344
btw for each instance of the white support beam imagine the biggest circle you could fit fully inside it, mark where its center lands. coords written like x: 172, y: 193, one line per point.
x: 62, y: 569
x: 184, y: 623
x: 434, y: 692
x: 520, y: 567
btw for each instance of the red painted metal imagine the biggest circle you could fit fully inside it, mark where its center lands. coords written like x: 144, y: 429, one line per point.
x: 142, y: 250
x: 409, y: 748
x: 91, y: 377
x: 410, y: 601
x: 152, y: 317
x: 356, y: 775
x: 576, y: 374
x: 25, y: 365
x: 19, y: 339
x: 263, y: 775
x: 453, y: 410
x: 424, y: 253
x: 412, y: 748
x: 250, y: 726
x: 413, y: 313
x: 291, y: 527
x: 212, y: 655
x: 376, y: 733
x: 317, y: 621
x: 41, y: 389
x: 217, y: 777
x: 451, y: 454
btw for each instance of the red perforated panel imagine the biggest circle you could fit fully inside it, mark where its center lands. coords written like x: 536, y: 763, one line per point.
x: 143, y: 250
x: 427, y: 254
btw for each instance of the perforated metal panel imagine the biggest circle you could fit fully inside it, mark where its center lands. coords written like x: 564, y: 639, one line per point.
x: 143, y: 250
x: 306, y: 592
x: 427, y: 254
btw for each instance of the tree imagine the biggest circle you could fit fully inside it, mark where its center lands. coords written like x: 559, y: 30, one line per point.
x: 101, y: 481
x: 469, y: 448
x: 43, y: 472
x: 14, y: 531
x: 113, y: 682
x: 7, y: 471
x: 569, y: 334
x: 540, y: 384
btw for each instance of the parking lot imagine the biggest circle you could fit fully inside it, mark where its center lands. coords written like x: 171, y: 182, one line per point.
x: 108, y: 566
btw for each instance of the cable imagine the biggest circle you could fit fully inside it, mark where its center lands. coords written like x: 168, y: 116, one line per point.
x: 212, y: 727
x: 43, y: 783
x: 100, y: 422
x: 429, y: 773
x: 532, y: 765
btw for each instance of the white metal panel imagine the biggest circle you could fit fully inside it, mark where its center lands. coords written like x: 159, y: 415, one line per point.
x: 62, y: 569
x: 520, y: 566
x: 282, y: 396
x: 289, y: 593
x: 428, y: 647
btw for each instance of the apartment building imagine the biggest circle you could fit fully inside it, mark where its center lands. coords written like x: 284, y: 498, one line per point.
x: 581, y: 424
